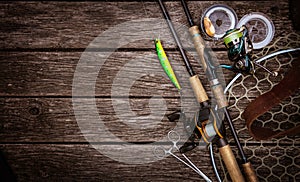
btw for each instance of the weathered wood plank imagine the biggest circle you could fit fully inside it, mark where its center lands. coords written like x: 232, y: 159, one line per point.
x: 53, y: 120
x: 52, y: 74
x: 122, y: 74
x: 82, y: 162
x: 57, y: 25
x: 45, y: 120
x: 38, y: 131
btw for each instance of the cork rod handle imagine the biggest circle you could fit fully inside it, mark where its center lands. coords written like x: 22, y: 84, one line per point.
x: 198, y: 89
x: 231, y: 164
x: 200, y: 46
x: 250, y: 173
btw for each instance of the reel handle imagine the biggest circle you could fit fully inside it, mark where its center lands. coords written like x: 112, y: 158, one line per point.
x: 250, y: 173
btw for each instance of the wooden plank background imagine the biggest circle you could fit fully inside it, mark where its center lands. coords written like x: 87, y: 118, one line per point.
x: 41, y: 44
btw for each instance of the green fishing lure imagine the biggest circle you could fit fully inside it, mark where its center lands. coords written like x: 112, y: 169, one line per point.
x: 163, y: 59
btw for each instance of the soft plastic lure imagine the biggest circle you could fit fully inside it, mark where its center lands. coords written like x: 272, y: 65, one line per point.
x: 163, y: 59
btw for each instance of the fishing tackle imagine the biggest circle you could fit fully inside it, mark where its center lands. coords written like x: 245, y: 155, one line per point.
x: 260, y: 60
x: 204, y: 125
x: 225, y: 151
x: 209, y: 133
x: 238, y: 41
x: 239, y: 50
x: 191, y: 129
x: 165, y: 63
x: 207, y: 127
x: 200, y: 93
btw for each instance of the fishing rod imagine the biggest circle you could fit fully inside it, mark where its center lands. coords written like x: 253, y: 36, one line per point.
x: 202, y: 98
x: 217, y: 89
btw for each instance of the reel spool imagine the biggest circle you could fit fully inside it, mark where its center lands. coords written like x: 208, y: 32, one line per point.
x: 221, y: 17
x: 208, y: 124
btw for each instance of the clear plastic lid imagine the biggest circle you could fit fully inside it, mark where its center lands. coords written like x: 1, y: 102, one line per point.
x: 222, y: 17
x: 261, y: 29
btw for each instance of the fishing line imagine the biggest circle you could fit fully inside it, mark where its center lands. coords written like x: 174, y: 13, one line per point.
x: 200, y: 172
x: 222, y: 166
x: 213, y: 162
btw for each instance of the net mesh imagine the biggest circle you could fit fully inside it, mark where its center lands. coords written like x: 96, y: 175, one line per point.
x: 276, y: 159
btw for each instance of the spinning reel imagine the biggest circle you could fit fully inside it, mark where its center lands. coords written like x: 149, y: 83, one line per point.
x: 239, y: 50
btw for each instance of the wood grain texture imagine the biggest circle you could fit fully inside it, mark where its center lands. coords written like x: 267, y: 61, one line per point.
x: 139, y: 73
x: 53, y: 119
x: 41, y: 45
x: 52, y: 73
x: 58, y: 25
x: 82, y: 162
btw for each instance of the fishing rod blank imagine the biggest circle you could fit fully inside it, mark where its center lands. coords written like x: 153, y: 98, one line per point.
x: 202, y: 98
x: 217, y: 89
x: 194, y: 79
